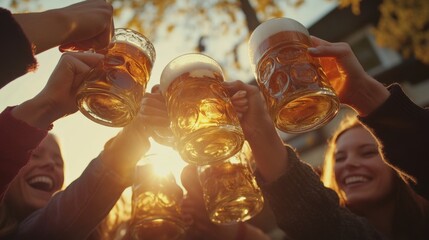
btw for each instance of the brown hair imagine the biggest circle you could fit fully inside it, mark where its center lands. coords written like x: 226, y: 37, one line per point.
x: 411, y: 210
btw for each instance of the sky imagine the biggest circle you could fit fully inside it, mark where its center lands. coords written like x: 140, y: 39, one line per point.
x: 82, y: 140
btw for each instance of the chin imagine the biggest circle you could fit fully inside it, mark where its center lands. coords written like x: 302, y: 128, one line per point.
x: 38, y: 203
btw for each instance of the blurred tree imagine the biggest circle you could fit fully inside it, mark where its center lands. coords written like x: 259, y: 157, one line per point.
x: 403, y: 24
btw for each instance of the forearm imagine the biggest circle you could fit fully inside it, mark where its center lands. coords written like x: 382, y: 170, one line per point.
x: 369, y: 96
x: 269, y: 152
x: 75, y: 212
x: 122, y: 152
x: 17, y: 55
x: 44, y: 29
x: 37, y: 113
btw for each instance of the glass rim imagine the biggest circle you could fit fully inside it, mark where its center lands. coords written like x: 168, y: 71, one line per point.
x: 269, y: 28
x: 139, y: 40
x: 183, y: 61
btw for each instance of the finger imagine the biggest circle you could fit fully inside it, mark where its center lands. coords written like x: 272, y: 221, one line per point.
x: 240, y: 102
x: 318, y: 41
x: 90, y: 59
x: 239, y: 95
x: 155, y: 122
x: 336, y: 50
x: 241, y: 110
x: 153, y: 102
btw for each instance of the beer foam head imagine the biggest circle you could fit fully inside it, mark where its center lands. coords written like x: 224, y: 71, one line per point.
x: 269, y: 28
x: 195, y: 64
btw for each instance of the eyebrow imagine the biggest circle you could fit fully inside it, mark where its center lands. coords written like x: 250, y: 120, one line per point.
x: 360, y: 147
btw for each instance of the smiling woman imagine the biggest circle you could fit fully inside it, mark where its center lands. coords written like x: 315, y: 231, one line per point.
x: 34, y: 185
x: 356, y: 169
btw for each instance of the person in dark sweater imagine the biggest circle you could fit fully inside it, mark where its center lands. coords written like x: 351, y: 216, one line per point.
x: 303, y: 206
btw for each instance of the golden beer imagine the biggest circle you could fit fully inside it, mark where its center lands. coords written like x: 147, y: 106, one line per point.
x: 156, y: 206
x: 230, y: 191
x: 203, y: 120
x: 295, y: 86
x: 112, y: 91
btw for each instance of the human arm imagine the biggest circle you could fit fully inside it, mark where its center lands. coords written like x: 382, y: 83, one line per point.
x: 17, y: 54
x: 303, y: 207
x: 77, y: 210
x: 399, y: 124
x: 354, y: 87
x: 24, y: 126
x: 86, y: 24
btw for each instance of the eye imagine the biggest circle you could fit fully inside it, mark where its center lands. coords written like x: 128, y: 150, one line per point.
x: 35, y: 155
x: 370, y: 153
x: 339, y: 157
x: 59, y: 161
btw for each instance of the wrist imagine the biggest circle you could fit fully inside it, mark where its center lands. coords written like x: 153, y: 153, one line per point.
x: 371, y: 97
x: 35, y: 113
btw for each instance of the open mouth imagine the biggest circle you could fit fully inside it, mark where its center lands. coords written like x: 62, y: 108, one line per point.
x: 42, y: 183
x: 355, y: 180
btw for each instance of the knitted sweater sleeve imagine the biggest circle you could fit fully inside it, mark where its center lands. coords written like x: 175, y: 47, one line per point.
x: 305, y: 209
x: 17, y: 141
x: 17, y: 53
x: 402, y: 128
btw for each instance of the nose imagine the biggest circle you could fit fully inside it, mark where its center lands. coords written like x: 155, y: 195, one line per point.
x: 352, y: 161
x: 47, y: 161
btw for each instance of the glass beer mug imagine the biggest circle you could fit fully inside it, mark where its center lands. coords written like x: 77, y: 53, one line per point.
x: 204, y: 123
x: 230, y: 191
x: 112, y: 91
x: 156, y: 199
x: 295, y: 86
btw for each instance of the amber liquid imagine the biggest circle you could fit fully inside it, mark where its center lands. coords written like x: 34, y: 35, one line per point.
x: 295, y: 86
x: 203, y: 119
x: 231, y: 193
x: 112, y: 92
x: 156, y: 209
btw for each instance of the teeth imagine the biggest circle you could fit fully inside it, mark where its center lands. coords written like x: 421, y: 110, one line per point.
x: 42, y: 179
x: 355, y: 179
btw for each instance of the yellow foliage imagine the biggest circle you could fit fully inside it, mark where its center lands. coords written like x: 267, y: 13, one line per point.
x: 404, y: 26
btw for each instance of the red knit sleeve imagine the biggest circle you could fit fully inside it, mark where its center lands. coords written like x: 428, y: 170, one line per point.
x: 17, y: 141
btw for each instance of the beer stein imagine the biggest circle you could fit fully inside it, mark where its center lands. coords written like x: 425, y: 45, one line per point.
x: 204, y: 123
x: 156, y: 200
x: 295, y: 86
x: 230, y: 191
x: 112, y: 91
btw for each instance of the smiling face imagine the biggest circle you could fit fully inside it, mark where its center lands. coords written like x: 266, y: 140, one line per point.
x: 38, y: 180
x: 360, y: 172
